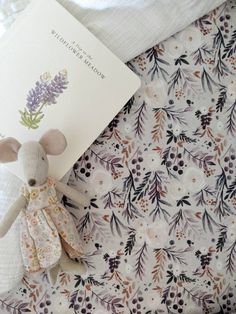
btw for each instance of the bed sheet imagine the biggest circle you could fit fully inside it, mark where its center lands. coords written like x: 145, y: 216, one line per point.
x: 160, y: 230
x: 127, y: 28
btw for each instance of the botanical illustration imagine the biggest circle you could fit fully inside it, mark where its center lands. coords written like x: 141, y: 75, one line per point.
x: 45, y: 93
x: 160, y: 229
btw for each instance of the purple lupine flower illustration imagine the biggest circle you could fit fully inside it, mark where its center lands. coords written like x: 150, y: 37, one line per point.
x: 44, y: 93
x: 34, y: 97
x: 54, y: 89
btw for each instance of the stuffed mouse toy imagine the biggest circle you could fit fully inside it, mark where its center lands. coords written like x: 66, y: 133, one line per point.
x: 48, y: 233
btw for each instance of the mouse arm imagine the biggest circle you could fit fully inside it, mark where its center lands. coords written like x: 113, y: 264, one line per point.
x: 11, y: 215
x: 73, y: 194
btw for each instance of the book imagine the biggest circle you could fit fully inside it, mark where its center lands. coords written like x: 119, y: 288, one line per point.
x: 55, y: 74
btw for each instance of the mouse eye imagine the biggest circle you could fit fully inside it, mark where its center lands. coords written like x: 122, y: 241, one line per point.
x: 43, y: 158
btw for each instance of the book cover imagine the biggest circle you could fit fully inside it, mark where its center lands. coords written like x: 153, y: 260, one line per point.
x: 56, y: 74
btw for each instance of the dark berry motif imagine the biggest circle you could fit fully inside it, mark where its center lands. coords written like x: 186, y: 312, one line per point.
x: 136, y: 167
x: 224, y: 25
x: 175, y: 162
x: 228, y: 302
x: 83, y: 304
x: 85, y: 170
x: 83, y: 167
x: 205, y: 259
x: 198, y: 114
x: 198, y: 253
x: 206, y: 120
x: 136, y: 304
x: 113, y: 262
x: 229, y: 164
x: 175, y: 302
x: 113, y: 124
x: 44, y: 305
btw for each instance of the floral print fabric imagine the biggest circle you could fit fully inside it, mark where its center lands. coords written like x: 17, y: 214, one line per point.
x: 160, y: 231
x: 43, y: 224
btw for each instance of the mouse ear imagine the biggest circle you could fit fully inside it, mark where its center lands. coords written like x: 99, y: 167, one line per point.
x: 53, y: 142
x: 9, y: 148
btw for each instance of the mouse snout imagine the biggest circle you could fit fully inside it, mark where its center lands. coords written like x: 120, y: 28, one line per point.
x: 31, y: 182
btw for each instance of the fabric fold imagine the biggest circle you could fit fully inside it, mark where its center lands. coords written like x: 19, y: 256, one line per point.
x: 128, y: 28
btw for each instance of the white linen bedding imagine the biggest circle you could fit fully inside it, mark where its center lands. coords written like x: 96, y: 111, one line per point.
x: 127, y: 27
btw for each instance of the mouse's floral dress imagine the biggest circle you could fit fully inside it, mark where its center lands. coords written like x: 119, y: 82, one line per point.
x: 46, y: 228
